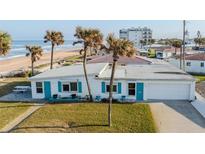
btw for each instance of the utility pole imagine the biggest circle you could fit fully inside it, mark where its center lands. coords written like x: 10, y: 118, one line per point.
x: 180, y: 57
x: 183, y: 45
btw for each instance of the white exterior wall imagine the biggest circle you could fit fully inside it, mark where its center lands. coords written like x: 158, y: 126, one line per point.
x: 54, y: 87
x: 33, y: 91
x: 124, y: 90
x: 132, y: 36
x: 194, y: 68
x: 139, y: 37
x: 147, y: 93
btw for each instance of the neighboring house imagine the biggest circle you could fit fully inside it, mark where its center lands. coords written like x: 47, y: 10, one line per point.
x: 132, y: 82
x: 122, y: 59
x: 194, y: 63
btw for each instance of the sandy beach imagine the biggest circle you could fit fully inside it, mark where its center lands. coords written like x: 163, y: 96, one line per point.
x: 25, y: 62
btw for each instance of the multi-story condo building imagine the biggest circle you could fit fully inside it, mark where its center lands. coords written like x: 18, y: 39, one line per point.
x: 136, y: 35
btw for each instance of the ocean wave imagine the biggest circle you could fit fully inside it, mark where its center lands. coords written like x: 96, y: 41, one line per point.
x: 18, y: 49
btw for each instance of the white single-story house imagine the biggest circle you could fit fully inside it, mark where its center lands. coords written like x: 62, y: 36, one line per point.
x: 194, y: 63
x: 132, y: 82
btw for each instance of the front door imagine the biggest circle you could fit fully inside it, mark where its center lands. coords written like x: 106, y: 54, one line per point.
x: 47, y: 89
x: 140, y: 91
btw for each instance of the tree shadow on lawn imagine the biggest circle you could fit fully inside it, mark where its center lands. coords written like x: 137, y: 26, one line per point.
x: 61, y: 127
x: 17, y: 106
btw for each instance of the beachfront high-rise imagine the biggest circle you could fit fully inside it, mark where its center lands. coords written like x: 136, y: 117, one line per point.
x: 136, y: 35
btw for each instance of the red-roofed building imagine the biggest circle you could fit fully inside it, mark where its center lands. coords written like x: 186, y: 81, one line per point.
x: 122, y: 59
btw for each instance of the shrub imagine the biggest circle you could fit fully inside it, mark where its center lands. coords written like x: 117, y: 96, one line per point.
x: 106, y: 100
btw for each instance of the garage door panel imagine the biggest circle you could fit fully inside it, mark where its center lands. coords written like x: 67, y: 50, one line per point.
x: 168, y: 91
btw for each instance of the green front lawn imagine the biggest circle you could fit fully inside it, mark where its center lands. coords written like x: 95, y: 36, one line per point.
x: 89, y: 117
x: 9, y: 111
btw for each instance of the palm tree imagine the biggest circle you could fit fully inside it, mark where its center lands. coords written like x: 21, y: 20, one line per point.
x: 35, y: 52
x: 5, y: 43
x: 198, y: 34
x: 91, y: 39
x: 56, y: 38
x: 176, y: 43
x: 117, y: 47
x: 200, y: 41
x: 142, y: 42
x: 151, y: 41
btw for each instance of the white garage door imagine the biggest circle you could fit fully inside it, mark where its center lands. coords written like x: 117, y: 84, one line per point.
x: 168, y: 91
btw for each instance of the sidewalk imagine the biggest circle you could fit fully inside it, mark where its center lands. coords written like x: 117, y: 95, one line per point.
x: 199, y: 104
x: 9, y: 127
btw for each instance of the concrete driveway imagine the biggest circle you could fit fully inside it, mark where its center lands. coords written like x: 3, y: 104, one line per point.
x: 177, y: 117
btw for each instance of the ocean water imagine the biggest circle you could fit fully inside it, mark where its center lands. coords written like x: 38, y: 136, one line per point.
x: 19, y: 50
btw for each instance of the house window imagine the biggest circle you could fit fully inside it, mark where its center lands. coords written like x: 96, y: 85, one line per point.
x: 202, y: 64
x: 188, y: 64
x: 113, y: 90
x: 73, y: 86
x: 66, y: 87
x: 131, y: 89
x: 39, y: 87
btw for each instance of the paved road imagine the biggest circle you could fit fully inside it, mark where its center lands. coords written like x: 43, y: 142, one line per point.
x: 177, y: 117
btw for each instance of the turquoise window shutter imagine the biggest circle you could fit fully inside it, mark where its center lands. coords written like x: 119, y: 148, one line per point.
x: 103, y: 87
x: 59, y: 86
x: 119, y: 86
x: 80, y: 87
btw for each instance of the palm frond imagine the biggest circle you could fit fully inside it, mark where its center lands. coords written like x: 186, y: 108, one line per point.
x: 35, y: 52
x: 78, y: 42
x: 5, y: 43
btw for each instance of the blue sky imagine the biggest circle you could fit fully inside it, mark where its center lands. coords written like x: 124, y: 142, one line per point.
x: 35, y: 29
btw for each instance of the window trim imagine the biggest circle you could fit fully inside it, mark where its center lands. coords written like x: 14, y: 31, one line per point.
x: 65, y: 83
x: 113, y: 85
x: 132, y: 89
x: 69, y: 83
x: 76, y: 86
x: 39, y: 87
